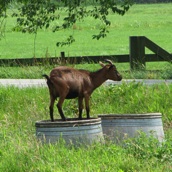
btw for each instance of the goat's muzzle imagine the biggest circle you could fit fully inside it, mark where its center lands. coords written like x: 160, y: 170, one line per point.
x: 119, y: 77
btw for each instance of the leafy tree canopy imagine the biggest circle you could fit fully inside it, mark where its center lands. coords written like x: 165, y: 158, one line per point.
x: 38, y: 14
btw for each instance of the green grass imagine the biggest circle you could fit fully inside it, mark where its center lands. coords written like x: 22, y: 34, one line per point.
x: 20, y: 108
x: 150, y: 20
x: 20, y: 151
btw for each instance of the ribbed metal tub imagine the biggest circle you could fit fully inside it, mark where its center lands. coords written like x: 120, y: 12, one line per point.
x: 72, y: 131
x: 119, y: 127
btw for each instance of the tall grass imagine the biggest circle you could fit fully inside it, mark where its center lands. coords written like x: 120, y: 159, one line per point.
x: 161, y: 70
x: 20, y: 151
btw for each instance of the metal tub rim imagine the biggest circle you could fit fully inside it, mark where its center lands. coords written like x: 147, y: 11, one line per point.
x: 130, y: 116
x: 72, y: 122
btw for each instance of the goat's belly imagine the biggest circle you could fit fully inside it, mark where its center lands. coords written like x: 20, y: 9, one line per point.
x: 72, y: 95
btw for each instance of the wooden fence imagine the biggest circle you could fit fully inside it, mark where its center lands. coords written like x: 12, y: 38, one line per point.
x: 137, y: 56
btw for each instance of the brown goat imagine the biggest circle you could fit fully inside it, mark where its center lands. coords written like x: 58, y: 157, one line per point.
x: 68, y: 83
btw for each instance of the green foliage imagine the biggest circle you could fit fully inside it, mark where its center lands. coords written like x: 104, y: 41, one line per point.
x: 149, y: 148
x: 101, y: 12
x: 35, y: 15
x: 68, y: 41
x: 3, y: 7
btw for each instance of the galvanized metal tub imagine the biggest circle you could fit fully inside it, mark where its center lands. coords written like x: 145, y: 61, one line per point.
x: 119, y: 127
x: 72, y: 131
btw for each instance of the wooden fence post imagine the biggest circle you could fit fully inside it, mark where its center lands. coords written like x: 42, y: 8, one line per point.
x: 62, y: 58
x: 137, y: 52
x: 62, y: 54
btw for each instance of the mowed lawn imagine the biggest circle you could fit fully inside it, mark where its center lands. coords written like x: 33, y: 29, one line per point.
x: 151, y: 20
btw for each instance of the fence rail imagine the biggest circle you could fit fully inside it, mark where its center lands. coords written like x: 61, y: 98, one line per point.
x: 137, y: 56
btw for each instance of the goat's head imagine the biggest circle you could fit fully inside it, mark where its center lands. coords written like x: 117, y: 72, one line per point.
x: 112, y: 72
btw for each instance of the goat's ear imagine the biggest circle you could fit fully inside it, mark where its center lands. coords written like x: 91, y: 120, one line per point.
x: 101, y: 64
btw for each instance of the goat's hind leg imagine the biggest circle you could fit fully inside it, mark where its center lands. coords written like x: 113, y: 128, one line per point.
x: 59, y: 106
x: 58, y: 84
x: 52, y: 100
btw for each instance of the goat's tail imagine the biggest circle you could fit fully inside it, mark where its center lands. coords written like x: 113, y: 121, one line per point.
x: 46, y: 76
x: 48, y: 80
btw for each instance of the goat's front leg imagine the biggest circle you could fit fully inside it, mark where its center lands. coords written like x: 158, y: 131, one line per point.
x: 87, y: 106
x: 80, y: 103
x: 59, y: 106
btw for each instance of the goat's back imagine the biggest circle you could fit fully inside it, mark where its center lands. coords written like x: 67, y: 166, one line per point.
x: 71, y: 76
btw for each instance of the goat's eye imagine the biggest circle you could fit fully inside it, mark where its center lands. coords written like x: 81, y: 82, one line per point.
x: 116, y: 72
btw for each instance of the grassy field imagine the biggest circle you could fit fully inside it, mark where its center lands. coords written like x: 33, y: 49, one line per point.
x: 20, y: 151
x: 150, y: 20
